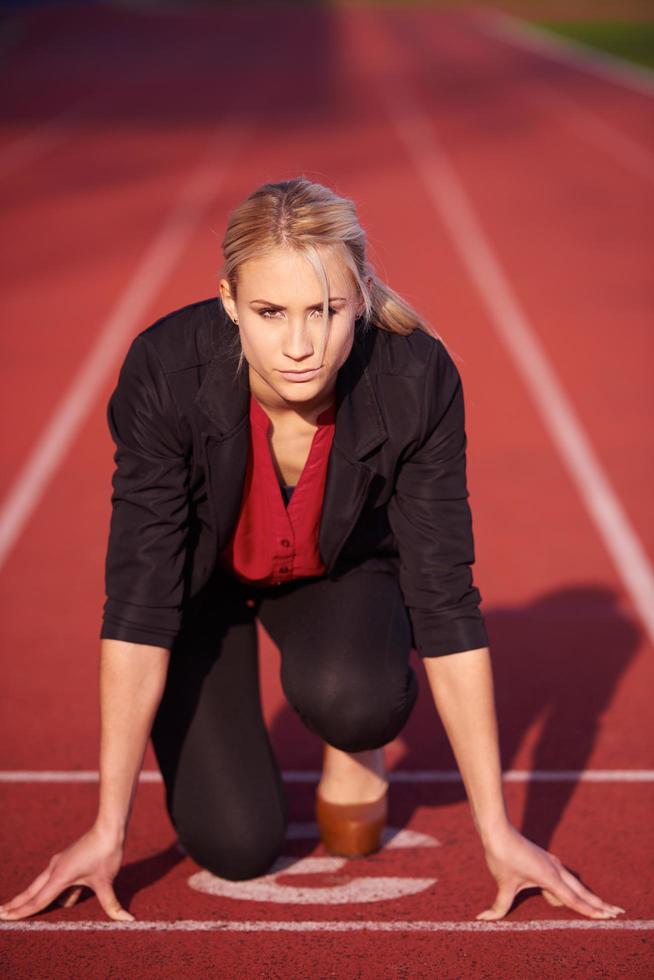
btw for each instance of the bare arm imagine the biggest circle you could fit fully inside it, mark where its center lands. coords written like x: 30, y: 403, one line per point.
x: 462, y: 688
x: 132, y: 678
x: 145, y: 564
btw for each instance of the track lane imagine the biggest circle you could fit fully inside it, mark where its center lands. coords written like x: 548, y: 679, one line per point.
x: 619, y: 91
x: 536, y: 595
x: 546, y: 587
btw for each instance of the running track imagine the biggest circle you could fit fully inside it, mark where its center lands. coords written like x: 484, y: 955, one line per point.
x: 505, y: 190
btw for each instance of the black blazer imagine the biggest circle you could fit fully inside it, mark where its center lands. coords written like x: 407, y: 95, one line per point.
x: 395, y: 490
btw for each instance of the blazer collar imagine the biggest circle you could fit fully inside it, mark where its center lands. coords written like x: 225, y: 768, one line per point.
x: 225, y: 399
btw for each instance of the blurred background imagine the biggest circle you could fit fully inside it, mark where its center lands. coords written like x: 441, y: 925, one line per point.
x: 500, y: 156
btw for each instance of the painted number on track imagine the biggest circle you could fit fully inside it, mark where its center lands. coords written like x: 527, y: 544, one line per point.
x: 267, y: 888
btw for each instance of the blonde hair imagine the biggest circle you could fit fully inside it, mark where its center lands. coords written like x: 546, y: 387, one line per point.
x: 309, y: 217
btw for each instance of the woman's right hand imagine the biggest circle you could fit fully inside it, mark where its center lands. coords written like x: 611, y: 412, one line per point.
x: 93, y: 860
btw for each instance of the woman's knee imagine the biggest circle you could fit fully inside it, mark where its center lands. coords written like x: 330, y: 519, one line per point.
x: 246, y: 849
x: 354, y: 714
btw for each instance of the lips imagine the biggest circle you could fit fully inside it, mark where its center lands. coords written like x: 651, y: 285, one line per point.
x: 299, y: 375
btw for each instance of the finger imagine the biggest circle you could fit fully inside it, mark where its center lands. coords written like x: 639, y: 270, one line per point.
x: 40, y: 900
x: 577, y: 902
x: 111, y: 905
x: 27, y: 893
x: 501, y: 905
x: 581, y: 890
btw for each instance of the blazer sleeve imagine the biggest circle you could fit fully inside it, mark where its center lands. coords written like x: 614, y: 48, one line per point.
x: 430, y: 517
x: 146, y: 553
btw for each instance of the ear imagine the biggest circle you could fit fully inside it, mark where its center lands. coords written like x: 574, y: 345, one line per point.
x: 226, y: 297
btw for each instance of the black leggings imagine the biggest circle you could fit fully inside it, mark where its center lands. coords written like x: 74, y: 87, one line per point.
x: 345, y: 645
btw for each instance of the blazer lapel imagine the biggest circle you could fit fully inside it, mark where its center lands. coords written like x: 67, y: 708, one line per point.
x: 223, y: 400
x: 359, y: 429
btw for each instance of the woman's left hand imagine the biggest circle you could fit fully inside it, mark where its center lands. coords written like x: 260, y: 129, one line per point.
x: 517, y: 863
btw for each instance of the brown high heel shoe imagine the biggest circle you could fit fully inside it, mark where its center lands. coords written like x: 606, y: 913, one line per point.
x: 351, y: 829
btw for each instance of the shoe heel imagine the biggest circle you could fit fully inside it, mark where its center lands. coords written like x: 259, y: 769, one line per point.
x: 351, y: 829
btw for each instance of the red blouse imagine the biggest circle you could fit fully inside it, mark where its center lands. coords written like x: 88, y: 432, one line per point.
x: 274, y: 542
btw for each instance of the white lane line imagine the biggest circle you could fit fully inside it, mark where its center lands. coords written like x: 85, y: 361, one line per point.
x: 201, y: 187
x: 27, y: 149
x: 530, y: 36
x: 612, y: 141
x: 399, y: 776
x: 625, y: 150
x: 583, y: 121
x: 453, y: 206
x: 334, y: 925
x: 77, y: 119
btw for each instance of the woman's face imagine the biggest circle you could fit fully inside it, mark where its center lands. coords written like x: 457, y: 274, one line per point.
x: 279, y: 311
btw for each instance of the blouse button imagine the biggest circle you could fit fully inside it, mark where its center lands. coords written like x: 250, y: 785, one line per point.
x: 285, y: 542
x: 284, y: 568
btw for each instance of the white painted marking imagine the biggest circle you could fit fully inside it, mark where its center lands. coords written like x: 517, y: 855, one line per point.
x: 308, y: 865
x: 196, y: 194
x: 535, y: 776
x: 583, y: 121
x: 523, y: 34
x: 606, y: 137
x: 312, y: 925
x: 267, y: 888
x: 28, y: 148
x: 523, y: 345
x: 509, y: 775
x: 399, y: 776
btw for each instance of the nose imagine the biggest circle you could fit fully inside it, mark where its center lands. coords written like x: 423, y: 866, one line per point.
x: 297, y: 342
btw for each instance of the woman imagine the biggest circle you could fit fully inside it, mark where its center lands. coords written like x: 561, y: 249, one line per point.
x: 321, y: 490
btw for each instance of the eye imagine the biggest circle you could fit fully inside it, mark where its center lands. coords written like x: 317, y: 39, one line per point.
x: 330, y: 309
x: 269, y: 314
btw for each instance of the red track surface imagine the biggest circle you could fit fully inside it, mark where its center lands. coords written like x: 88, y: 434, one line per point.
x: 144, y: 94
